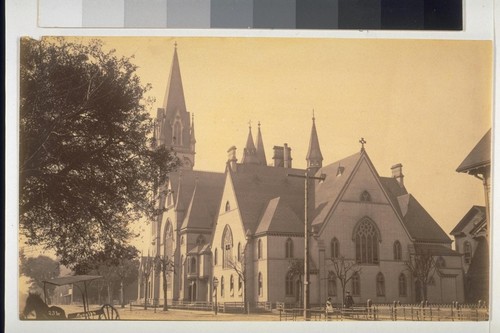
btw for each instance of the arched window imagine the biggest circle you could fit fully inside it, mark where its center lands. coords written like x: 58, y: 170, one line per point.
x: 239, y: 251
x: 366, y: 238
x: 289, y: 284
x: 259, y: 249
x: 332, y: 285
x: 192, y: 264
x: 222, y: 286
x: 467, y: 252
x: 260, y: 284
x: 289, y: 248
x: 365, y: 196
x: 402, y: 285
x: 240, y: 283
x: 228, y: 206
x: 440, y: 262
x: 356, y: 284
x: 334, y: 248
x: 227, y: 246
x: 168, y: 240
x: 380, y: 284
x: 177, y: 133
x: 231, y: 284
x: 397, y: 250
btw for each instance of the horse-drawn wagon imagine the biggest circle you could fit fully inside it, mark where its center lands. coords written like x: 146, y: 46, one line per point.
x: 35, y: 304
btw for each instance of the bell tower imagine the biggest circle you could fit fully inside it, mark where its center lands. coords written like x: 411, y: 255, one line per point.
x: 175, y: 126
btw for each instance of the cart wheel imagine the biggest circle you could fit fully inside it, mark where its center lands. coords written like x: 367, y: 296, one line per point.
x: 109, y: 312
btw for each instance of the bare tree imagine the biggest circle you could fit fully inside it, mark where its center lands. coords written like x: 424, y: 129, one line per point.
x: 147, y: 268
x: 239, y: 265
x: 344, y: 270
x: 296, y: 269
x: 422, y: 266
x: 165, y: 266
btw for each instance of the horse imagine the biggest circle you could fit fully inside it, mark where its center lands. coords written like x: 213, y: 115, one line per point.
x: 34, y: 303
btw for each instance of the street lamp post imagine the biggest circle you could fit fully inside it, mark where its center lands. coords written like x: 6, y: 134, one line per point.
x: 306, y: 177
x: 215, y: 283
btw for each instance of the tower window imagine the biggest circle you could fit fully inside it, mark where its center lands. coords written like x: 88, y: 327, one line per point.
x: 397, y: 250
x: 334, y: 248
x: 289, y: 248
x: 228, y: 206
x: 467, y: 252
x: 365, y: 196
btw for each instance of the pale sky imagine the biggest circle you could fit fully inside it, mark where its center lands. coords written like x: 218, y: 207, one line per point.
x: 422, y: 103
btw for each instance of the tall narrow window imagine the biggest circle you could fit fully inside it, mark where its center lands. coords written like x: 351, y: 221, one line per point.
x: 193, y: 265
x: 181, y: 269
x: 366, y: 240
x: 215, y: 257
x: 356, y: 285
x: 177, y: 133
x: 332, y: 285
x: 260, y: 284
x: 228, y: 206
x: 397, y: 250
x: 227, y: 240
x: 222, y: 286
x: 259, y: 249
x: 467, y: 252
x: 240, y: 282
x: 365, y: 196
x: 239, y: 251
x: 289, y: 248
x: 402, y: 285
x: 380, y: 284
x: 231, y: 284
x: 334, y: 248
x: 289, y: 284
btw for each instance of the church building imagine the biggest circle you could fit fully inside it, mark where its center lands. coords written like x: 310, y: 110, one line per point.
x: 244, y: 227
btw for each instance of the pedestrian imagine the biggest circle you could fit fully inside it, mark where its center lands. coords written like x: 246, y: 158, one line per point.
x: 348, y: 302
x: 329, y: 305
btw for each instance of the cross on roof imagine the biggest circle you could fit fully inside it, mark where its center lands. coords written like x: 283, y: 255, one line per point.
x: 362, y: 141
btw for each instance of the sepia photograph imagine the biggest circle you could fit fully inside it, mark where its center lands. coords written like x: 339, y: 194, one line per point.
x: 254, y: 179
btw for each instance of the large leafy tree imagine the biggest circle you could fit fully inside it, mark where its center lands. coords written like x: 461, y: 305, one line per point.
x: 86, y: 164
x: 38, y: 269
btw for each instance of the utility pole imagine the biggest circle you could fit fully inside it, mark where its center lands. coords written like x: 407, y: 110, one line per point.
x: 306, y: 177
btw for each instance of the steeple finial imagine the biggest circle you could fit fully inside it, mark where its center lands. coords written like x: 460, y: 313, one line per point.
x: 363, y: 142
x: 313, y: 116
x: 175, y: 45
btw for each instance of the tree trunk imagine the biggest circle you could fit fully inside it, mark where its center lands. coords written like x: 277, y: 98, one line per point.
x: 146, y: 293
x: 122, y: 301
x: 165, y: 305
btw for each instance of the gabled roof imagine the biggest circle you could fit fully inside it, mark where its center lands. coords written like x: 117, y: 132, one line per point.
x: 475, y: 215
x: 480, y: 156
x: 200, y: 193
x: 435, y: 250
x: 419, y: 223
x: 279, y: 217
x: 327, y: 191
x: 255, y: 185
x: 174, y: 95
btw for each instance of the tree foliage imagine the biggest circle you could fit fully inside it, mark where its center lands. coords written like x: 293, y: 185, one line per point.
x: 39, y: 269
x: 86, y: 166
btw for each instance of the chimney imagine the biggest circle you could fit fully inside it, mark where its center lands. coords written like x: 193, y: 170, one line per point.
x: 397, y: 172
x: 231, y: 158
x: 287, y: 156
x: 278, y: 156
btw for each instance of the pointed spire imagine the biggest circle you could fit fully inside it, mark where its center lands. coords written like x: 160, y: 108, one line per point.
x: 261, y: 154
x: 174, y: 95
x: 314, y: 157
x: 249, y: 152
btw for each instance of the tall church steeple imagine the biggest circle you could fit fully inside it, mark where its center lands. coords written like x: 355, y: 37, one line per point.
x: 261, y: 154
x: 314, y: 157
x: 174, y: 122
